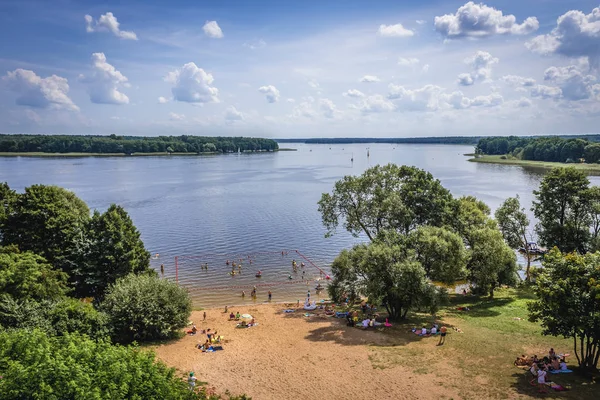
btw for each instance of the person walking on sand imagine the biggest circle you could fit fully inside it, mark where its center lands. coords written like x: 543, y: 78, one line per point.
x: 204, y: 316
x: 192, y: 381
x: 442, y: 336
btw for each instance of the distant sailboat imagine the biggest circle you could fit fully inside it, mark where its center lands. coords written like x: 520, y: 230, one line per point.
x: 367, y: 153
x: 352, y: 159
x: 239, y: 152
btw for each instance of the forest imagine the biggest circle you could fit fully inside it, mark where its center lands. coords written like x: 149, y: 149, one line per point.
x: 423, y: 140
x: 570, y: 149
x: 131, y: 144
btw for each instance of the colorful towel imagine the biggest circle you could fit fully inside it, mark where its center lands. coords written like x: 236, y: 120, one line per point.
x: 561, y: 371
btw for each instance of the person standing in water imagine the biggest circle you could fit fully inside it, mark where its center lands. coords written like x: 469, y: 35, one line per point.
x: 270, y: 295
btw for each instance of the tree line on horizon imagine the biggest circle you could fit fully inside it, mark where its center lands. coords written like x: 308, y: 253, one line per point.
x: 132, y: 144
x: 553, y: 148
x: 419, y: 238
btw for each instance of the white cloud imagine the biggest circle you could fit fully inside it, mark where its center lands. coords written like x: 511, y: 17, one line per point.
x: 481, y: 66
x: 407, y: 62
x: 516, y: 80
x: 328, y: 109
x: 176, y: 117
x: 523, y: 102
x: 425, y: 68
x: 573, y: 84
x: 421, y: 21
x: 369, y: 79
x: 313, y: 84
x: 35, y: 91
x: 425, y: 98
x: 354, y: 93
x: 270, y: 92
x: 491, y: 100
x: 290, y: 100
x: 375, y: 104
x: 108, y: 23
x: 163, y: 100
x: 305, y: 110
x: 575, y: 35
x: 479, y: 20
x: 212, y: 30
x: 232, y: 114
x: 396, y: 30
x: 104, y: 82
x: 546, y: 92
x: 192, y: 85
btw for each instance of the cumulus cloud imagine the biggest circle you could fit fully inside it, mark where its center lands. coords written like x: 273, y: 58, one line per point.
x: 523, y: 102
x: 573, y: 84
x: 407, y: 62
x: 481, y: 66
x: 108, y: 23
x: 35, y: 91
x: 313, y: 84
x: 232, y: 114
x: 192, y: 85
x: 396, y: 30
x: 104, y: 82
x: 328, y: 109
x: 163, y: 100
x: 479, y: 20
x: 516, y: 80
x: 425, y: 68
x: 545, y: 92
x: 369, y: 79
x: 376, y: 104
x: 212, y: 30
x: 433, y: 98
x: 575, y: 35
x: 354, y: 93
x: 271, y: 93
x: 304, y: 109
x: 491, y: 100
x: 176, y: 117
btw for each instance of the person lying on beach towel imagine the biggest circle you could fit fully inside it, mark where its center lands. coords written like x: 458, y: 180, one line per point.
x: 289, y: 310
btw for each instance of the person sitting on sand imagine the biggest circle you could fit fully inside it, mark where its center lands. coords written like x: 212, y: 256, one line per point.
x: 433, y: 330
x: 563, y: 365
x: 423, y: 331
x: 551, y: 354
x: 231, y: 316
x: 237, y: 316
x: 555, y: 364
x: 541, y: 374
x: 192, y: 331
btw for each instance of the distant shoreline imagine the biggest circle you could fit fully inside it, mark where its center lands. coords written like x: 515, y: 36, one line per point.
x: 160, y: 154
x: 594, y: 169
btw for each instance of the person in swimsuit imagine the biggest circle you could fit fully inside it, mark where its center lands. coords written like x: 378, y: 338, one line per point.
x: 442, y: 336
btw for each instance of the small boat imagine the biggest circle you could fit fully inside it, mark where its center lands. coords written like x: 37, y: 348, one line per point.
x: 533, y: 249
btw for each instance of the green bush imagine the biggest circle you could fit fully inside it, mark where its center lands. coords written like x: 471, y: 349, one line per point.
x: 145, y: 308
x: 34, y: 365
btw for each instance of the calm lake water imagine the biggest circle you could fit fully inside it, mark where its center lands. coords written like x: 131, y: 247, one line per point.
x: 252, y: 206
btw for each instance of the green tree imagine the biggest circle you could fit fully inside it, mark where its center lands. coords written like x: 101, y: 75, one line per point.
x: 568, y: 305
x: 593, y: 197
x: 441, y: 253
x: 562, y: 210
x: 29, y: 276
x: 8, y: 198
x: 48, y: 221
x: 592, y: 153
x: 385, y: 274
x: 513, y: 223
x: 35, y: 365
x: 115, y: 250
x: 145, y: 307
x: 492, y: 262
x: 393, y: 197
x: 468, y: 215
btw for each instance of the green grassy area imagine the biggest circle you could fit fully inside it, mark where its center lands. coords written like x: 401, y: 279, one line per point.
x: 497, y: 159
x: 478, y: 363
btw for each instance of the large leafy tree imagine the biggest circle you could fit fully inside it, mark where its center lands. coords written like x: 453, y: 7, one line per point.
x: 29, y: 276
x: 8, y: 198
x: 561, y: 207
x: 513, y: 223
x: 468, y: 215
x: 76, y: 367
x: 441, y: 253
x: 386, y: 197
x: 568, y: 305
x: 593, y: 197
x: 114, y: 250
x: 492, y: 263
x: 49, y: 221
x: 145, y: 307
x: 386, y: 274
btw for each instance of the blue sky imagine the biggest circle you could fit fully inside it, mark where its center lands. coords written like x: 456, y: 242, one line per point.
x: 300, y: 69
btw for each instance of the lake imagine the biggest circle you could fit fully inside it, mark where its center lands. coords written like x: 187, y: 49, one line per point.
x: 210, y: 209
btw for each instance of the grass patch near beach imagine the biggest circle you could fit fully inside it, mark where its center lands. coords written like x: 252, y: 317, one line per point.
x: 593, y: 169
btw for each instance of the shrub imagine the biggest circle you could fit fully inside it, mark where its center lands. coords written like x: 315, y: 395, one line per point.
x: 145, y: 307
x: 76, y: 367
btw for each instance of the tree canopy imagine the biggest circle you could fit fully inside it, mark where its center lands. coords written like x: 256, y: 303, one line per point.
x: 391, y: 197
x: 568, y: 305
x: 513, y: 223
x: 553, y: 148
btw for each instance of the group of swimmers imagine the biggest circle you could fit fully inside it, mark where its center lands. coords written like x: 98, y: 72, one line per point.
x: 253, y: 293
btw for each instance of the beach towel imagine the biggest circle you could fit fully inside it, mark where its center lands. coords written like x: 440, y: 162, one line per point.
x: 556, y: 386
x: 561, y: 371
x: 341, y: 314
x: 288, y: 310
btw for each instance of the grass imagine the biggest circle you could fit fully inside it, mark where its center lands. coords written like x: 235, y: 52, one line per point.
x: 479, y: 362
x: 496, y: 159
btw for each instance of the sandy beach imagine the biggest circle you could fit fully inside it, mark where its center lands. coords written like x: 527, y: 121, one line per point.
x: 291, y: 356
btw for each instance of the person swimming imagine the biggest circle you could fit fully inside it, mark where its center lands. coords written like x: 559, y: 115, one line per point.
x: 290, y: 276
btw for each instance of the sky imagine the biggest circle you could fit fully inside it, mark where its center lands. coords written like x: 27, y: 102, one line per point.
x: 282, y: 69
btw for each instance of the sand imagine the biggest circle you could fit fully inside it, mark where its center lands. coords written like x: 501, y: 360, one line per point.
x: 290, y: 356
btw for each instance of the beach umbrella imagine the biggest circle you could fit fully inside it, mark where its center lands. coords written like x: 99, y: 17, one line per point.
x: 246, y: 316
